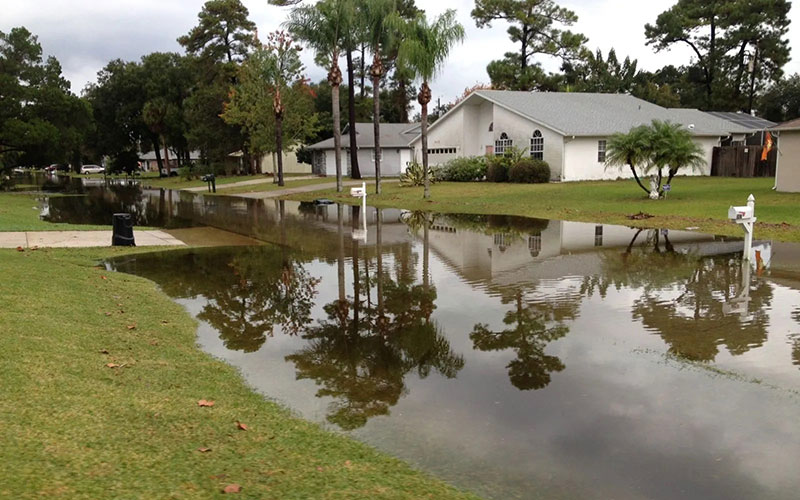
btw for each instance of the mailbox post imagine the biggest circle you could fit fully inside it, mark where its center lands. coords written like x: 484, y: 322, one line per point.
x: 361, y: 192
x: 745, y: 216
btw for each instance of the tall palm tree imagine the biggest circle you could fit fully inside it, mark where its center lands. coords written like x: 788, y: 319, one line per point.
x: 322, y: 26
x: 379, y: 28
x: 422, y: 52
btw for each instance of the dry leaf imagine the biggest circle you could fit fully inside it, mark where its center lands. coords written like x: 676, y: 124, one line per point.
x: 20, y: 249
x: 241, y: 426
x: 103, y: 278
x: 154, y: 342
x: 203, y: 402
x: 203, y: 450
x: 131, y: 327
x: 104, y: 351
x: 232, y: 488
x: 347, y: 463
x: 164, y: 322
x: 108, y: 314
x: 112, y: 365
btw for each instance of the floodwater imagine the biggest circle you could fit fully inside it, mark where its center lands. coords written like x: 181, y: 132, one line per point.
x: 517, y: 358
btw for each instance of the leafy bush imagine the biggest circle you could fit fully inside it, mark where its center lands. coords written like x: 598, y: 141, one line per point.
x: 529, y: 171
x: 463, y: 170
x: 497, y: 169
x: 414, y: 175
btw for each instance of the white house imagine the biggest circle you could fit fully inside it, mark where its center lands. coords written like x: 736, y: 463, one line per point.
x: 787, y: 171
x: 395, y: 149
x: 567, y: 130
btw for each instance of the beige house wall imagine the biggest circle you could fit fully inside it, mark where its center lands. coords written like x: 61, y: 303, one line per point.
x: 787, y: 177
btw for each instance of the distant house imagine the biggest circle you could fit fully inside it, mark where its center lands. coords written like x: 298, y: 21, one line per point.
x: 149, y: 162
x: 757, y: 128
x: 787, y: 171
x: 269, y: 163
x: 396, y: 152
x: 568, y: 130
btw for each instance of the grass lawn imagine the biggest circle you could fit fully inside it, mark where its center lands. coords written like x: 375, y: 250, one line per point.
x: 20, y: 212
x: 700, y: 202
x: 101, y: 383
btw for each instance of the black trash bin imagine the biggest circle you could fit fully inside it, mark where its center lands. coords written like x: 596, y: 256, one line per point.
x: 123, y: 231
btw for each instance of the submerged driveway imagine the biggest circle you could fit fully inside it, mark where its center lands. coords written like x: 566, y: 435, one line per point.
x: 81, y: 239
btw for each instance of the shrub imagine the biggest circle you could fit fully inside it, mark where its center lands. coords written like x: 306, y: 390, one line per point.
x: 414, y: 175
x: 497, y: 169
x: 463, y: 170
x: 529, y: 171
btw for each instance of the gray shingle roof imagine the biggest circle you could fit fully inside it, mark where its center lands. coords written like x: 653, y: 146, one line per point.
x: 393, y: 135
x: 755, y: 123
x: 592, y: 114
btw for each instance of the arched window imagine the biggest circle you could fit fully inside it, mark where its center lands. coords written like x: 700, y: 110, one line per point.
x: 491, y: 127
x: 537, y: 146
x: 502, y: 145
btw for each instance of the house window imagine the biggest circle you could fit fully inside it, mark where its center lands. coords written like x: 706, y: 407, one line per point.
x: 502, y: 145
x: 535, y: 244
x: 442, y: 151
x: 537, y: 146
x: 491, y: 127
x: 601, y: 151
x: 598, y: 236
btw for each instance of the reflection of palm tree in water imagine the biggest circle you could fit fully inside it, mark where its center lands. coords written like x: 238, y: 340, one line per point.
x: 533, y: 327
x: 694, y: 323
x: 361, y: 359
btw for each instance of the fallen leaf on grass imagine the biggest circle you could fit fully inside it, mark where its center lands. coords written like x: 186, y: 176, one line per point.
x: 103, y: 278
x: 203, y: 450
x: 164, y: 322
x: 103, y: 351
x: 20, y: 249
x: 154, y: 342
x: 112, y: 365
x: 640, y: 216
x: 203, y: 402
x: 131, y: 327
x: 232, y: 488
x: 347, y: 463
x: 108, y: 314
x: 241, y: 426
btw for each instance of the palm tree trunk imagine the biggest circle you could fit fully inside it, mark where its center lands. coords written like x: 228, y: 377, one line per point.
x: 424, y: 98
x: 166, y: 157
x: 355, y: 172
x: 638, y: 180
x: 335, y: 79
x: 376, y: 117
x: 337, y: 137
x: 279, y: 145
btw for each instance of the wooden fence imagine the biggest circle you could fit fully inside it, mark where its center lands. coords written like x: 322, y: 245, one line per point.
x: 743, y: 161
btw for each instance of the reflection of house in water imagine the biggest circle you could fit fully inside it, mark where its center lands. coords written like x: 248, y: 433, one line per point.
x: 560, y: 249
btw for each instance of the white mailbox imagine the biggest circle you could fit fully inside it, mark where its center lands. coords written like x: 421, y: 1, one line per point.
x: 740, y: 214
x: 358, y: 192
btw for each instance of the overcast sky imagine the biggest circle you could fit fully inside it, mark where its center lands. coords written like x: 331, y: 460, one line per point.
x: 85, y: 34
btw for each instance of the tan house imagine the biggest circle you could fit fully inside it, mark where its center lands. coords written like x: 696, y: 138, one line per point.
x: 787, y: 171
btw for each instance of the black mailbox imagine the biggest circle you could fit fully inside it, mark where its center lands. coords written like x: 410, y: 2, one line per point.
x: 123, y: 231
x: 211, y: 179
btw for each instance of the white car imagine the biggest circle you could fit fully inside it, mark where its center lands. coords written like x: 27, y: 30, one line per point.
x: 92, y: 169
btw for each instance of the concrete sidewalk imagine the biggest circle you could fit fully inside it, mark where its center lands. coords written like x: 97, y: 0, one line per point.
x: 81, y: 239
x: 251, y: 182
x: 301, y: 189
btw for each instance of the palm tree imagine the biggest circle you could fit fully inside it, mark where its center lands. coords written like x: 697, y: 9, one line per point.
x: 422, y: 52
x: 653, y: 148
x: 629, y: 150
x: 323, y: 26
x: 379, y: 28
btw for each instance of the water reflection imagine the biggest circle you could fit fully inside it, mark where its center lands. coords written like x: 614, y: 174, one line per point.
x: 556, y: 348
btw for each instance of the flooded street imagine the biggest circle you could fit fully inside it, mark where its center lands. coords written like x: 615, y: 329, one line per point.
x: 518, y: 358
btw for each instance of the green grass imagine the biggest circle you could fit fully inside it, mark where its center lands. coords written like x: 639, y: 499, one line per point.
x: 20, y: 212
x: 700, y: 202
x: 181, y: 183
x: 72, y: 427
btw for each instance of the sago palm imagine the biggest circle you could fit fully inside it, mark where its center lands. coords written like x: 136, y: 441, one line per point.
x: 422, y: 52
x: 631, y: 150
x: 322, y: 27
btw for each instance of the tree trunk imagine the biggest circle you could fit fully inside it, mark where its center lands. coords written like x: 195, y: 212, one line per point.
x: 157, y: 150
x: 424, y: 98
x: 335, y: 79
x: 377, y: 70
x: 638, y: 181
x: 753, y: 82
x: 279, y: 145
x: 166, y: 157
x: 355, y: 172
x: 402, y: 86
x: 363, y: 72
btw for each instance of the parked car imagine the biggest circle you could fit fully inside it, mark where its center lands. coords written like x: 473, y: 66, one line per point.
x: 172, y: 173
x: 92, y: 169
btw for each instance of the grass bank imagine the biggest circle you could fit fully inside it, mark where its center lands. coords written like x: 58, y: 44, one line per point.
x: 181, y: 183
x: 700, y: 202
x: 268, y: 185
x: 102, y: 380
x: 20, y: 212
